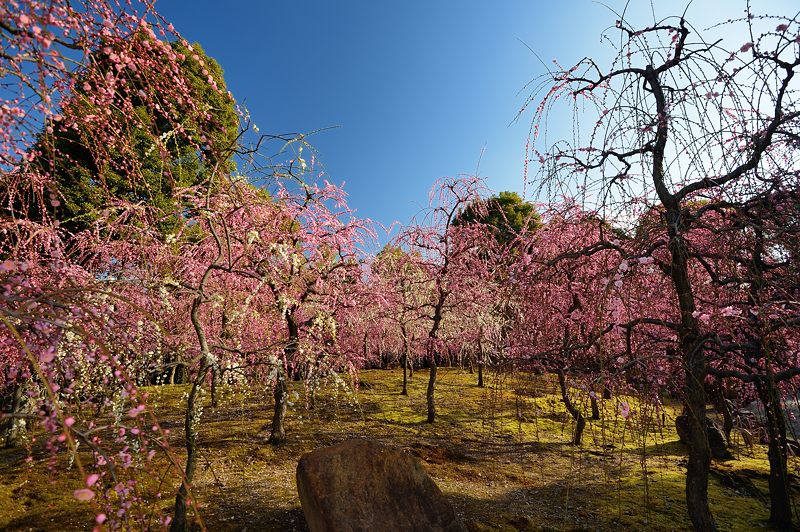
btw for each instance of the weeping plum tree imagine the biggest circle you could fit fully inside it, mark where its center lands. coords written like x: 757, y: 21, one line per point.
x: 448, y: 257
x: 58, y: 311
x: 565, y: 291
x: 400, y: 285
x: 678, y: 120
x: 751, y: 264
x: 309, y: 264
x: 144, y: 115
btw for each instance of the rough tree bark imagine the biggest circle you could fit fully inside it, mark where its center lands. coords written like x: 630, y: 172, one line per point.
x: 281, y: 392
x: 577, y: 415
x: 780, y: 508
x: 432, y: 335
x: 192, y: 418
x: 480, y: 364
x: 595, y: 407
x: 404, y: 360
x: 430, y: 391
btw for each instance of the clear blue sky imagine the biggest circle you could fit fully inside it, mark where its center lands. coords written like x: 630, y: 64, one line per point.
x: 417, y: 88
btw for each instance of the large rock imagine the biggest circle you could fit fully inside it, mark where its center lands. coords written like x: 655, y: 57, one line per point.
x: 362, y: 485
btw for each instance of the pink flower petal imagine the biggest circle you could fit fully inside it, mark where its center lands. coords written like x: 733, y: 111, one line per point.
x: 83, y: 494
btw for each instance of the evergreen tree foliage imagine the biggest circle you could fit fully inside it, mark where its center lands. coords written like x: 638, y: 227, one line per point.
x: 506, y: 213
x: 173, y: 149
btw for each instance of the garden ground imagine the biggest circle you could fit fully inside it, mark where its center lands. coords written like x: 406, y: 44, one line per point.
x: 499, y: 453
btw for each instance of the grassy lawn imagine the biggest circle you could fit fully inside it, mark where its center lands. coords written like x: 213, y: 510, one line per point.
x: 499, y: 453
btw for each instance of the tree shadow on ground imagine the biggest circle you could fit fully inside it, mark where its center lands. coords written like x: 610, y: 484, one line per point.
x: 244, y: 508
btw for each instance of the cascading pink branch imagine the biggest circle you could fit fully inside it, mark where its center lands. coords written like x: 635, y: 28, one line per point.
x: 678, y: 127
x: 398, y: 290
x: 48, y: 48
x: 448, y: 257
x: 91, y: 316
x: 64, y: 325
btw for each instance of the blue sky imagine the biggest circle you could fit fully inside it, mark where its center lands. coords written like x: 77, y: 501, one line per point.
x: 418, y: 89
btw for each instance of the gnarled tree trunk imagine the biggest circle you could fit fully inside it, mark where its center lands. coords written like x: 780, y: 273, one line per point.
x: 577, y: 415
x: 13, y: 427
x: 192, y: 418
x: 480, y: 364
x: 694, y: 360
x: 595, y: 407
x: 404, y: 359
x: 281, y: 393
x: 431, y: 348
x: 780, y: 508
x: 429, y: 393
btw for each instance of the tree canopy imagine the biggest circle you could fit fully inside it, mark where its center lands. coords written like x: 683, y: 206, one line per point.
x: 506, y: 213
x: 170, y: 147
x: 173, y: 257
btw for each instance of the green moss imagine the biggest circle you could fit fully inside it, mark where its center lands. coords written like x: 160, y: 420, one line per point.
x: 500, y: 453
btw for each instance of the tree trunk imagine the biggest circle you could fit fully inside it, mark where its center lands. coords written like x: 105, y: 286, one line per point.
x: 215, y: 385
x: 689, y: 338
x: 281, y: 393
x: 429, y: 395
x: 694, y: 360
x: 404, y: 391
x: 595, y: 407
x: 780, y: 508
x: 191, y: 422
x: 404, y: 360
x: 580, y: 421
x: 431, y: 348
x: 480, y: 363
x: 722, y: 406
x: 699, y: 450
x: 14, y: 427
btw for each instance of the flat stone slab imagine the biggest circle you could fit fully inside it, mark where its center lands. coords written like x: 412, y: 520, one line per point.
x: 361, y: 485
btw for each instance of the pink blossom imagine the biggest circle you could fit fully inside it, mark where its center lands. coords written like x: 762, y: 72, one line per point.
x: 83, y: 494
x: 47, y: 356
x: 133, y: 412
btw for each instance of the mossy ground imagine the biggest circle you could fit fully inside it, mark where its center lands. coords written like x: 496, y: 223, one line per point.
x: 500, y: 453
